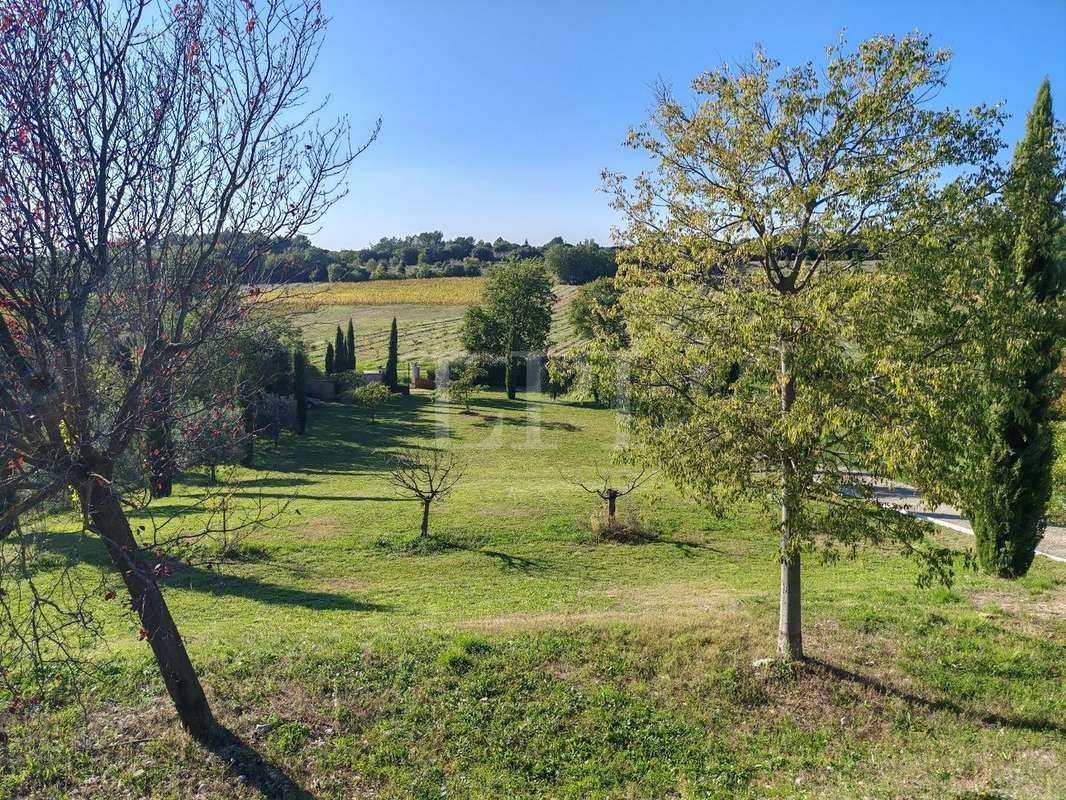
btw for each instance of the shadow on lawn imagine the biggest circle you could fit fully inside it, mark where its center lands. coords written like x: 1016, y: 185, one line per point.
x: 342, y: 440
x: 198, y: 579
x: 258, y: 771
x: 1018, y: 723
x: 491, y: 420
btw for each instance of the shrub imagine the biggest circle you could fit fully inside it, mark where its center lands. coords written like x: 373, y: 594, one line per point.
x: 627, y: 527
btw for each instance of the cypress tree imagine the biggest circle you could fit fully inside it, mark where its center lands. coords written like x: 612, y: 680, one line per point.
x: 329, y: 358
x: 1009, y: 522
x: 392, y: 362
x: 350, y: 345
x: 299, y: 388
x: 340, y: 357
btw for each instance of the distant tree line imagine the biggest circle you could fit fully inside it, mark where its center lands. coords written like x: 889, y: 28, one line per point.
x: 425, y: 255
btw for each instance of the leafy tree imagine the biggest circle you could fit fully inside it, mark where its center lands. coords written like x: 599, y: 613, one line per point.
x: 580, y: 263
x: 392, y: 360
x: 349, y: 345
x: 515, y: 315
x: 747, y: 300
x: 330, y: 361
x: 299, y: 389
x: 371, y: 397
x: 595, y: 312
x: 462, y: 388
x: 561, y: 373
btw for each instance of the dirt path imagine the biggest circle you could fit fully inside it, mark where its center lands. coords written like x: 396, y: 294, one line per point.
x: 906, y: 499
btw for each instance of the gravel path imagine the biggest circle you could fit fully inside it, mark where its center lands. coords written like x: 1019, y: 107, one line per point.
x: 906, y: 499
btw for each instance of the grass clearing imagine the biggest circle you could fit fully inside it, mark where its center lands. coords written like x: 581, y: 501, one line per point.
x: 529, y: 660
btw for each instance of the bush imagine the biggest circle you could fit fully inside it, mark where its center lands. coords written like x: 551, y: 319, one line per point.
x: 1057, y: 507
x: 371, y: 397
x: 627, y: 527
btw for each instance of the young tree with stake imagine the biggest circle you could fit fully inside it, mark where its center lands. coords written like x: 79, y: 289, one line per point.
x: 150, y: 154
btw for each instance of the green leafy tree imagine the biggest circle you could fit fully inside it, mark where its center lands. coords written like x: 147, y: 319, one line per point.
x: 462, y: 388
x: 372, y: 397
x: 579, y: 263
x: 330, y: 362
x: 299, y: 389
x: 349, y: 345
x: 595, y: 312
x: 391, y: 378
x: 747, y: 297
x: 515, y: 315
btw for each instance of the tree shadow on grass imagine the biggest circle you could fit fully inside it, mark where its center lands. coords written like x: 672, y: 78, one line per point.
x: 511, y: 563
x: 199, y: 579
x: 985, y: 718
x: 343, y: 440
x: 491, y: 420
x: 248, y: 763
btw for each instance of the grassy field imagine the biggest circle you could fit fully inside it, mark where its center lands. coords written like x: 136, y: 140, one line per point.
x: 429, y: 313
x: 526, y: 659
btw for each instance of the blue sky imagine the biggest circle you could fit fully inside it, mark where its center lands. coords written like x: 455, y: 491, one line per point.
x: 500, y: 116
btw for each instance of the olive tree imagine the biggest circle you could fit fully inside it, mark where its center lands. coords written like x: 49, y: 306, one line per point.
x: 748, y: 271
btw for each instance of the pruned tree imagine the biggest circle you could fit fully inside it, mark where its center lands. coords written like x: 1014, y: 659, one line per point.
x: 609, y: 491
x: 428, y: 475
x: 748, y: 285
x: 150, y: 152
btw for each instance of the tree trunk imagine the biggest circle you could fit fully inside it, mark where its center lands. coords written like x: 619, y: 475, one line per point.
x: 611, y: 498
x: 512, y: 391
x: 157, y: 626
x: 789, y: 629
x: 425, y: 518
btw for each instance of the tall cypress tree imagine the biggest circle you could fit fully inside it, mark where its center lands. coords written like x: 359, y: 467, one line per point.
x: 350, y: 345
x: 1010, y: 522
x: 340, y: 357
x: 329, y: 358
x: 299, y: 389
x: 392, y: 362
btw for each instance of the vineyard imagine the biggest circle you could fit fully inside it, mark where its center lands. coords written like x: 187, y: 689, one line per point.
x: 429, y: 313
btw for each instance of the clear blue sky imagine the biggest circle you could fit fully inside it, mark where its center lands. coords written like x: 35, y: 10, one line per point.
x: 499, y: 115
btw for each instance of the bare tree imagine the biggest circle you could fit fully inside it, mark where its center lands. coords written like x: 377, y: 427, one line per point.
x: 609, y: 491
x: 150, y: 155
x: 428, y: 475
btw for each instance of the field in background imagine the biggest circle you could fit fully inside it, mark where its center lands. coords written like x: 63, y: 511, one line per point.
x: 429, y: 314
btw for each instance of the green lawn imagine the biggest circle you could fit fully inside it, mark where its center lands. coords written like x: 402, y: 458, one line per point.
x: 528, y: 660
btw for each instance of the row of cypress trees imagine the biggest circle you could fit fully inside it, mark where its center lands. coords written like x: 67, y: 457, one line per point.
x: 340, y: 355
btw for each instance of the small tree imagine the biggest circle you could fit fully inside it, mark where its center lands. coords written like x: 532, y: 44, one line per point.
x: 428, y: 475
x: 609, y: 491
x: 392, y: 361
x: 561, y: 373
x: 349, y: 345
x: 299, y: 389
x: 461, y: 389
x: 330, y: 359
x: 371, y: 397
